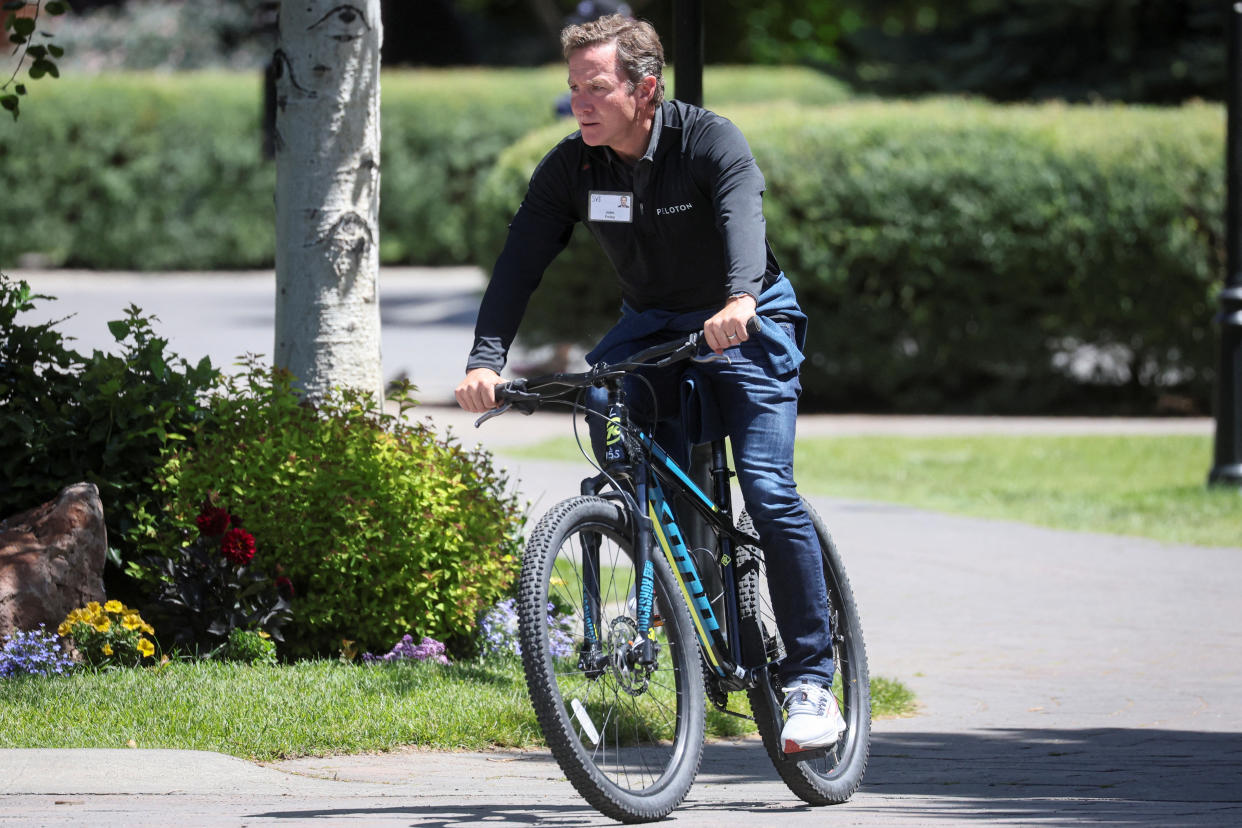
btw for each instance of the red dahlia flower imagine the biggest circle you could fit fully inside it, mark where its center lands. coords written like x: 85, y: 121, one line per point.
x: 212, y: 521
x: 238, y: 547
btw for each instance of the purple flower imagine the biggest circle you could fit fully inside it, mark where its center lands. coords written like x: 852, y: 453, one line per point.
x: 498, y: 632
x: 427, y: 650
x: 37, y: 652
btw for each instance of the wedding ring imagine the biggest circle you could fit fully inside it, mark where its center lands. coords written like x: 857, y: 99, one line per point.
x: 731, y: 336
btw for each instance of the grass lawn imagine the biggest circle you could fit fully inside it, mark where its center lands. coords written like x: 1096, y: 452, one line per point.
x: 1148, y: 486
x: 308, y: 708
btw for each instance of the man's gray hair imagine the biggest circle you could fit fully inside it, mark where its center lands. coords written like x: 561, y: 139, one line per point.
x: 639, y: 52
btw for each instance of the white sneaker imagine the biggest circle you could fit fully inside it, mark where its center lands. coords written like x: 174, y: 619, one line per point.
x: 814, y: 718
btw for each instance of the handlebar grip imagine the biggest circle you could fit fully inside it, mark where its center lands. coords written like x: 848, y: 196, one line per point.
x: 752, y: 325
x: 515, y: 394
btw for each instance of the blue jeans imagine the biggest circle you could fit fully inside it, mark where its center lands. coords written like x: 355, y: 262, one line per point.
x: 759, y: 413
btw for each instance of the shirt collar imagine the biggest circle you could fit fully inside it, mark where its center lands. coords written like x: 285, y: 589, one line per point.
x: 657, y: 125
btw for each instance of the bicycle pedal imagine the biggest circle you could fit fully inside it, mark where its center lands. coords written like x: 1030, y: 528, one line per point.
x: 792, y: 752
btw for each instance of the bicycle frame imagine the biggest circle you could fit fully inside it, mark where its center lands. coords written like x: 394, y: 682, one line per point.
x: 719, y: 638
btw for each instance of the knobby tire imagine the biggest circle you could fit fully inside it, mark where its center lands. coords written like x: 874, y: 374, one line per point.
x: 629, y: 741
x: 832, y: 778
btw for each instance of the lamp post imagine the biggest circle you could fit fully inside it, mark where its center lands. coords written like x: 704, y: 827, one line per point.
x: 688, y: 35
x: 1227, y: 465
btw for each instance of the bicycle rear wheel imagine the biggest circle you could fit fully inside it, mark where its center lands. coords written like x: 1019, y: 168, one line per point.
x: 829, y: 777
x: 628, y: 737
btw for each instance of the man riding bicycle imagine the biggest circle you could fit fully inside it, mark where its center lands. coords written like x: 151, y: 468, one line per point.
x: 673, y: 195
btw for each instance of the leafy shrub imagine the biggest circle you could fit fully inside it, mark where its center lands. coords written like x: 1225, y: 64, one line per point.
x: 208, y: 589
x: 115, y: 183
x: 111, y: 635
x: 36, y: 653
x: 959, y: 256
x: 249, y: 647
x: 103, y: 419
x: 381, y: 526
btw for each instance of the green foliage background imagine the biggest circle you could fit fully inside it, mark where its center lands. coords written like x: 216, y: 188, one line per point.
x: 954, y: 255
x: 165, y: 172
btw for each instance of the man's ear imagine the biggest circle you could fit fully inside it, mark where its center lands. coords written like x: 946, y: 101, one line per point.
x: 647, y: 88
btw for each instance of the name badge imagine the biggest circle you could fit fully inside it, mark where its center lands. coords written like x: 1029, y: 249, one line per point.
x: 611, y: 206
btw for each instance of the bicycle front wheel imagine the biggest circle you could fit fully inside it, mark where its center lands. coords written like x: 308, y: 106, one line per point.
x: 627, y: 734
x: 831, y: 776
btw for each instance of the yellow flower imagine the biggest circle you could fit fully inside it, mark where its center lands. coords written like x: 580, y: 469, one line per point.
x: 131, y: 621
x: 103, y: 625
x: 107, y: 649
x: 114, y: 606
x: 92, y: 607
x: 147, y: 628
x: 263, y: 634
x: 146, y: 648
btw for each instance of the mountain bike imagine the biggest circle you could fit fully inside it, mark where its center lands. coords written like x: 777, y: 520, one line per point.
x: 644, y: 597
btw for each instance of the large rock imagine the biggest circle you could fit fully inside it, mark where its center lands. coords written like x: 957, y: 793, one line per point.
x: 52, y: 559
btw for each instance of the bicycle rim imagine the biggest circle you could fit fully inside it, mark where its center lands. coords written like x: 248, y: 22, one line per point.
x: 832, y: 777
x: 628, y: 738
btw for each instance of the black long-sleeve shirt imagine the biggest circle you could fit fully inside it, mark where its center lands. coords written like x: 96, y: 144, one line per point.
x: 683, y: 226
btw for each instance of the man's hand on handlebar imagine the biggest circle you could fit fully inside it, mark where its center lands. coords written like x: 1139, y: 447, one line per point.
x: 728, y: 326
x: 477, y: 392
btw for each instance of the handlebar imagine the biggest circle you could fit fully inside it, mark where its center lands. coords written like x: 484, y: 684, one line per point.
x: 517, y: 395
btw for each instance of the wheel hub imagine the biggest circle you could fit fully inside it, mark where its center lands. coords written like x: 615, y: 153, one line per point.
x: 632, y: 676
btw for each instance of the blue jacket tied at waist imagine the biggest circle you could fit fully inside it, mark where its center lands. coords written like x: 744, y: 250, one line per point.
x: 778, y: 300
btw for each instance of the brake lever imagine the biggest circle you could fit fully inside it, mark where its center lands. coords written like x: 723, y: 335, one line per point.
x: 679, y: 354
x: 495, y: 412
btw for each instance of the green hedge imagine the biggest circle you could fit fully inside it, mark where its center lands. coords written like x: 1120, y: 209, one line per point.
x: 960, y: 256
x: 141, y: 171
x: 153, y: 172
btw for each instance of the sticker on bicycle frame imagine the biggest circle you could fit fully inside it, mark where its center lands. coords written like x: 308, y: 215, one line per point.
x: 584, y: 719
x: 608, y: 206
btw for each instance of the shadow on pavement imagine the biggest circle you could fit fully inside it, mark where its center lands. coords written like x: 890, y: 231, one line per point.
x: 1060, y: 776
x: 442, y: 815
x: 1049, y: 777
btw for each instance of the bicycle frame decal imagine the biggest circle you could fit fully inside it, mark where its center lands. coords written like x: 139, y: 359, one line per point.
x: 658, y: 454
x: 668, y: 536
x: 646, y: 586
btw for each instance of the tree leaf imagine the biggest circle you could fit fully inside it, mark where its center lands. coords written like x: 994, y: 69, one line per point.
x: 24, y: 26
x: 119, y: 329
x: 56, y: 7
x: 55, y: 50
x: 13, y: 5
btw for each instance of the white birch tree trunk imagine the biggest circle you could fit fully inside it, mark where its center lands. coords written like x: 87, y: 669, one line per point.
x: 327, y: 194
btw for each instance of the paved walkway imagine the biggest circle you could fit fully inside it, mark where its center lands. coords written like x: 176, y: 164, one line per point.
x: 1065, y: 679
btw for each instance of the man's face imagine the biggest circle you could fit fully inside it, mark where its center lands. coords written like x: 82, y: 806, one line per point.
x: 608, y: 113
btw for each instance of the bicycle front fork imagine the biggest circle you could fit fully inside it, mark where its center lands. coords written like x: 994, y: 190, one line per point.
x: 627, y: 642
